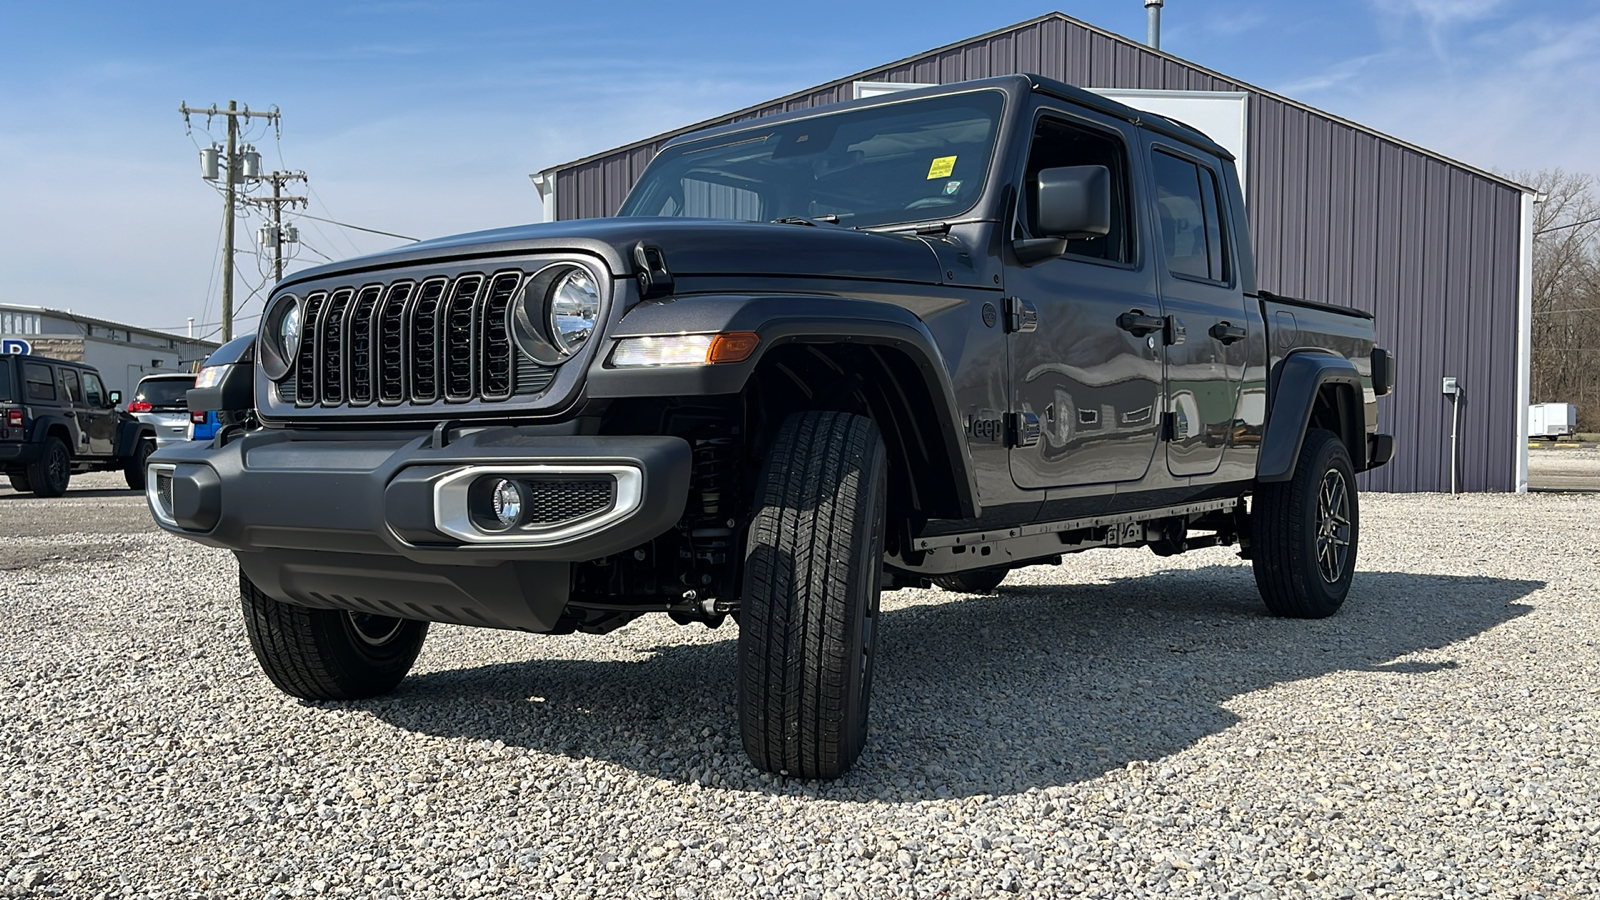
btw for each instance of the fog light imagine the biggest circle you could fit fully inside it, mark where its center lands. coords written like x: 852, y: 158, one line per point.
x: 507, y: 498
x: 158, y: 491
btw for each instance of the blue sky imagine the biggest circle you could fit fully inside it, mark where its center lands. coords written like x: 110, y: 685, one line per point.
x: 425, y: 118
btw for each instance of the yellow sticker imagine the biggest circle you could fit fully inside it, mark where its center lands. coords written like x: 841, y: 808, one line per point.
x: 942, y: 167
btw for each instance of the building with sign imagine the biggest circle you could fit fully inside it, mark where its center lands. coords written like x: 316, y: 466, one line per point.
x: 122, y: 353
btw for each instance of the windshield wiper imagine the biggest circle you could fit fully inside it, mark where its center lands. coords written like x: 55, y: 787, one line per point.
x: 813, y: 221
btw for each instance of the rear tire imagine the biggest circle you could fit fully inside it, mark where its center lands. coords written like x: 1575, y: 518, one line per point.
x: 328, y: 654
x: 134, y: 471
x: 809, y: 609
x: 49, y: 475
x: 981, y: 581
x: 1304, y: 532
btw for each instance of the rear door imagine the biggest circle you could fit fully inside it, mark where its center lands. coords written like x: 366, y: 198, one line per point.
x: 1200, y: 293
x: 72, y: 407
x: 1092, y: 385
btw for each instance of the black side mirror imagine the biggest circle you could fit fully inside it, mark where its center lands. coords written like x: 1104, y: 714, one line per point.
x: 1072, y: 203
x: 116, y: 398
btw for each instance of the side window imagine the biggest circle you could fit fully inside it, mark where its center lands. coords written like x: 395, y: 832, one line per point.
x: 1056, y: 143
x: 69, y: 381
x: 41, y: 386
x: 93, y: 392
x: 1191, y: 228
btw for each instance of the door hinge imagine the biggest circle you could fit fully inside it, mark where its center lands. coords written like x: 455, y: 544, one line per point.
x: 1021, y: 316
x: 1175, y: 331
x: 1024, y: 429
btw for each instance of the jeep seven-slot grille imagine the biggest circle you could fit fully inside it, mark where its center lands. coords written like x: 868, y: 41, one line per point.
x: 426, y: 340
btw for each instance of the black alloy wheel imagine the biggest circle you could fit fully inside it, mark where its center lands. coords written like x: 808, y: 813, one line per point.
x: 50, y: 474
x: 1305, y: 531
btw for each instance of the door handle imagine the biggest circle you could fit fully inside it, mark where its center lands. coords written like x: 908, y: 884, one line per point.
x: 1136, y: 323
x: 1227, y: 333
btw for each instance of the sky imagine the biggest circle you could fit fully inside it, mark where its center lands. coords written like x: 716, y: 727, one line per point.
x: 425, y: 118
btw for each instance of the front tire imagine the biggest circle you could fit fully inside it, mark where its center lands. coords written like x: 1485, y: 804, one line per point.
x: 134, y: 470
x: 1304, y: 532
x: 49, y: 475
x: 328, y: 654
x: 809, y: 608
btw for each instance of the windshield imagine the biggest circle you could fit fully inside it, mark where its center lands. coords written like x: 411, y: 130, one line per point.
x: 901, y: 162
x: 167, y: 393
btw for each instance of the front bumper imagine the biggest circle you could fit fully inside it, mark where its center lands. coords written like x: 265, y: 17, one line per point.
x: 365, y: 522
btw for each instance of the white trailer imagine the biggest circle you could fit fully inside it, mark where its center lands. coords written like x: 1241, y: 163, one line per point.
x: 1552, y: 420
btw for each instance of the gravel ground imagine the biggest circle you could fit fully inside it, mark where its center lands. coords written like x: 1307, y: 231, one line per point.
x: 1122, y: 726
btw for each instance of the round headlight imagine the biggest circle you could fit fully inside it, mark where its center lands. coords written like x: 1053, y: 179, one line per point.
x: 574, y: 307
x: 279, y: 343
x: 556, y: 312
x: 289, y: 332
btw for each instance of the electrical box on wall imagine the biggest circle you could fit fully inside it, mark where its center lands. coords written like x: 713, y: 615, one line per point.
x: 1450, y: 385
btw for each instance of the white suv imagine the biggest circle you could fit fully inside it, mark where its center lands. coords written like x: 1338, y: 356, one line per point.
x: 162, y: 401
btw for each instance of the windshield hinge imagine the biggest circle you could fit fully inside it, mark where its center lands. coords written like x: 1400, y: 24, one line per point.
x: 654, y: 279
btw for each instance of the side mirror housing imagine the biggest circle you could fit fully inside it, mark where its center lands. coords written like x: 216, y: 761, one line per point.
x: 116, y: 398
x: 1072, y: 203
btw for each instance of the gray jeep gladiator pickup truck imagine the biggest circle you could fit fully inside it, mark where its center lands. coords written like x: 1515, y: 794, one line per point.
x: 923, y: 338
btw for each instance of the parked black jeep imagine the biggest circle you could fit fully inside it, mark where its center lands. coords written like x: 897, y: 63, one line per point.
x: 57, y: 418
x: 927, y: 337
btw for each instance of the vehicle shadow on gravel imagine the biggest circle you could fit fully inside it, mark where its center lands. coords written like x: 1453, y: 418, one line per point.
x: 1031, y: 687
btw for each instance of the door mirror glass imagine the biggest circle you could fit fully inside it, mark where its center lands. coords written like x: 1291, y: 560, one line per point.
x: 1074, y: 202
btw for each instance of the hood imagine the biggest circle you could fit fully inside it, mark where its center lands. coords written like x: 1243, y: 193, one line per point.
x: 692, y: 247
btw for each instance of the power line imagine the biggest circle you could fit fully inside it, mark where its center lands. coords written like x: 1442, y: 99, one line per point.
x: 1568, y: 225
x: 359, y: 228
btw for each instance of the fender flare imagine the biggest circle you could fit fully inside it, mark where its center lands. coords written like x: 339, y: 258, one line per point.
x: 779, y: 320
x: 1296, y: 382
x: 128, y: 436
x: 43, y: 425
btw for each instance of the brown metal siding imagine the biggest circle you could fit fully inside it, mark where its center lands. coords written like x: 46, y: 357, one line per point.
x: 1338, y: 215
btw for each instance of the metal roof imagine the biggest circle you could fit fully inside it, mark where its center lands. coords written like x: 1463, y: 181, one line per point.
x: 751, y: 111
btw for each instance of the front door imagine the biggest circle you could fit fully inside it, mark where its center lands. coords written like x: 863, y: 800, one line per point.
x: 1088, y: 373
x: 1199, y: 290
x: 97, y: 417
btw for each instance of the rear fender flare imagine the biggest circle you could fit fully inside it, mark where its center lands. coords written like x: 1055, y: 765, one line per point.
x: 1296, y: 383
x: 43, y: 425
x: 780, y: 320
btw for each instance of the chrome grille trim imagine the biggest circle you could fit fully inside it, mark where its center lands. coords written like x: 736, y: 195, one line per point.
x: 423, y: 335
x: 360, y: 330
x: 460, y: 328
x: 391, y: 327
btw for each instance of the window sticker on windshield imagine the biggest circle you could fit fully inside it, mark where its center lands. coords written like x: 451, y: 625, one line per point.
x: 942, y: 167
x: 951, y: 188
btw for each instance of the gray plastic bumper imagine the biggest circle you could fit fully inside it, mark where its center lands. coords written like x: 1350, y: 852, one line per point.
x: 376, y: 523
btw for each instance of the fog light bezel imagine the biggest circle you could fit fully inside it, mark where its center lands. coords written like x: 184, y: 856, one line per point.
x: 152, y: 492
x: 453, y: 513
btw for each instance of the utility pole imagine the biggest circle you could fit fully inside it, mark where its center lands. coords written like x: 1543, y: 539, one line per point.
x: 276, y: 233
x: 235, y: 174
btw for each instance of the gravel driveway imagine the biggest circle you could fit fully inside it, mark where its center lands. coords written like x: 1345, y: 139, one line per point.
x: 1121, y: 726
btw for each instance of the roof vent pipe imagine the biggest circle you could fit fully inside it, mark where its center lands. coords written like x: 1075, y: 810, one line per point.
x: 1152, y: 9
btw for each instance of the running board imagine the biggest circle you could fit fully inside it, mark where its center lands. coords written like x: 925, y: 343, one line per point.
x: 1020, y: 531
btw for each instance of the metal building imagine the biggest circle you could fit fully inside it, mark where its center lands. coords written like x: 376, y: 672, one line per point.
x: 122, y: 354
x: 1439, y: 251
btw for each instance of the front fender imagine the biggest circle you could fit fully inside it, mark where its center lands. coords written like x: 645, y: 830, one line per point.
x: 780, y: 320
x: 1295, y: 385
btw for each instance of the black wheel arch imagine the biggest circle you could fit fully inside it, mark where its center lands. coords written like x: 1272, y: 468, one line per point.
x: 129, y: 434
x: 821, y: 353
x: 1312, y: 389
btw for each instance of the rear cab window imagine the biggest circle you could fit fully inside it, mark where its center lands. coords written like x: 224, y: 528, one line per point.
x: 41, y: 385
x: 1187, y: 200
x: 5, y: 382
